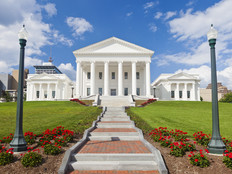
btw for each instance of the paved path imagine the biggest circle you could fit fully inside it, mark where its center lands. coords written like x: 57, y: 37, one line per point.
x: 114, y: 147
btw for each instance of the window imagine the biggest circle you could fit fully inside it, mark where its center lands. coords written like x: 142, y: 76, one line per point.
x: 113, y: 92
x: 53, y: 94
x: 138, y: 91
x: 37, y: 94
x: 137, y: 75
x: 188, y: 94
x: 45, y: 94
x: 100, y: 91
x: 113, y: 75
x: 100, y: 75
x: 180, y: 94
x: 88, y: 75
x: 125, y: 91
x: 88, y: 91
x: 172, y: 94
x: 126, y: 75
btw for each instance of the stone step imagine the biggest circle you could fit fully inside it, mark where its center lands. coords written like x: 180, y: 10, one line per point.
x: 115, y: 119
x: 114, y: 138
x: 114, y: 165
x: 115, y: 115
x: 113, y: 157
x: 115, y: 125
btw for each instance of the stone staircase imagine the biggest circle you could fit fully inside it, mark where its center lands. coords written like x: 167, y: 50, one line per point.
x: 116, y: 144
x: 114, y: 101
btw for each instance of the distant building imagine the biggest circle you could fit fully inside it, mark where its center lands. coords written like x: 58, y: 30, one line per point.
x: 180, y: 86
x: 5, y: 82
x: 15, y: 76
x: 206, y: 93
x: 48, y: 83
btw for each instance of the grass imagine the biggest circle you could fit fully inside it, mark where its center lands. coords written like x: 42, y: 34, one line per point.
x: 187, y: 116
x: 39, y: 116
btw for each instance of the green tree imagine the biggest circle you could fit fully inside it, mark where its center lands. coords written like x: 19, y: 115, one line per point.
x: 227, y: 98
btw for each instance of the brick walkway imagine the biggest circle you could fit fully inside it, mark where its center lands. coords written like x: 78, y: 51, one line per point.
x: 114, y: 147
x: 114, y: 130
x: 114, y: 172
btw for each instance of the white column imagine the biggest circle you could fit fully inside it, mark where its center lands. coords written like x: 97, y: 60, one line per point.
x: 177, y: 96
x: 185, y: 97
x: 48, y: 91
x: 40, y: 91
x: 92, y: 83
x: 193, y: 92
x: 106, y: 78
x: 81, y: 81
x: 78, y: 80
x: 120, y: 77
x: 134, y: 78
x: 56, y: 91
x: 28, y: 91
x: 148, y: 79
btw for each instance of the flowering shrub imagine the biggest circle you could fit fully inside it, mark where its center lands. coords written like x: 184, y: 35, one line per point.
x: 177, y: 150
x: 229, y: 147
x: 8, y: 138
x: 31, y: 158
x: 6, y: 157
x: 60, y: 142
x: 148, y: 102
x: 78, y: 101
x: 199, y: 159
x: 201, y: 138
x: 179, y: 135
x: 30, y: 137
x: 227, y: 159
x: 165, y: 142
x: 189, y: 147
x: 50, y: 149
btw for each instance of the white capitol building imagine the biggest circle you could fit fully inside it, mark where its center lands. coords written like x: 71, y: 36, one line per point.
x: 112, y: 67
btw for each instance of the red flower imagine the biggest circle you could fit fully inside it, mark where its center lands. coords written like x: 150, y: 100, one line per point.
x: 196, y: 160
x: 202, y: 155
x: 189, y: 155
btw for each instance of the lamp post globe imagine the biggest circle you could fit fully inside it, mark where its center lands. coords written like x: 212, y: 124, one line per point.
x: 216, y: 145
x: 18, y: 143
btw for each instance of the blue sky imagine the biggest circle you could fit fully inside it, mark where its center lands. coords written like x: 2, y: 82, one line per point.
x: 175, y: 30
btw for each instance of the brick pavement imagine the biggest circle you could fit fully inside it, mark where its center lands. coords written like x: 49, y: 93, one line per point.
x: 114, y: 147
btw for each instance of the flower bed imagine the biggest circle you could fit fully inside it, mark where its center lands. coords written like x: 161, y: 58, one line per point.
x: 50, y: 142
x: 149, y: 101
x: 179, y: 145
x: 78, y: 101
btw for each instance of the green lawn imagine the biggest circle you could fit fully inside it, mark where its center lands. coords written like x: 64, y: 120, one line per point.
x: 187, y: 116
x: 39, y: 116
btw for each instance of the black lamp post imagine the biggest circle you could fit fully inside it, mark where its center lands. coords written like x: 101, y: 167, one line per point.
x: 18, y: 143
x: 216, y: 145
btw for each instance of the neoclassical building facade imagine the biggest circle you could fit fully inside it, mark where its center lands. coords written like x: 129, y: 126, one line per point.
x: 113, y: 67
x: 180, y: 86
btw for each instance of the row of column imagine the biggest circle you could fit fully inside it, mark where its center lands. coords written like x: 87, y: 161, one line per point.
x: 106, y: 78
x: 192, y: 92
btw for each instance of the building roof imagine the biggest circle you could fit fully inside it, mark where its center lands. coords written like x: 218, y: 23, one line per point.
x: 51, y: 67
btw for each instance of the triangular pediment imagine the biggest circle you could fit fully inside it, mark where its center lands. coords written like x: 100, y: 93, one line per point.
x: 113, y: 45
x: 182, y: 76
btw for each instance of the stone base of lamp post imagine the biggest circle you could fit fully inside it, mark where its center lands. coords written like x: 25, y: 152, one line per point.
x: 216, y: 146
x: 18, y: 144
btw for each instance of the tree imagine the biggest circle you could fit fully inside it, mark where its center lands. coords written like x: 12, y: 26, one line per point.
x: 227, y: 98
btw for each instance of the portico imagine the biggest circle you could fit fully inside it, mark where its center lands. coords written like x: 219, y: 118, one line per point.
x: 113, y: 67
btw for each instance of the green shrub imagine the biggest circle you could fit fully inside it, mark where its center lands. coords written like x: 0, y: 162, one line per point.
x: 228, y: 160
x: 199, y: 160
x: 8, y: 139
x: 177, y: 150
x: 6, y: 158
x: 60, y: 142
x: 189, y: 147
x: 165, y: 143
x: 31, y: 159
x: 29, y: 137
x: 50, y: 149
x: 227, y: 98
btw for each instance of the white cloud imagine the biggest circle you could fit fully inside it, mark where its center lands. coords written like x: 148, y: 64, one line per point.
x: 68, y: 70
x: 129, y: 14
x: 158, y: 15
x: 32, y: 61
x: 153, y: 27
x: 40, y: 33
x: 79, y: 25
x: 4, y: 68
x: 148, y: 5
x: 169, y: 14
x: 204, y: 72
x: 190, y: 3
x: 50, y: 8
